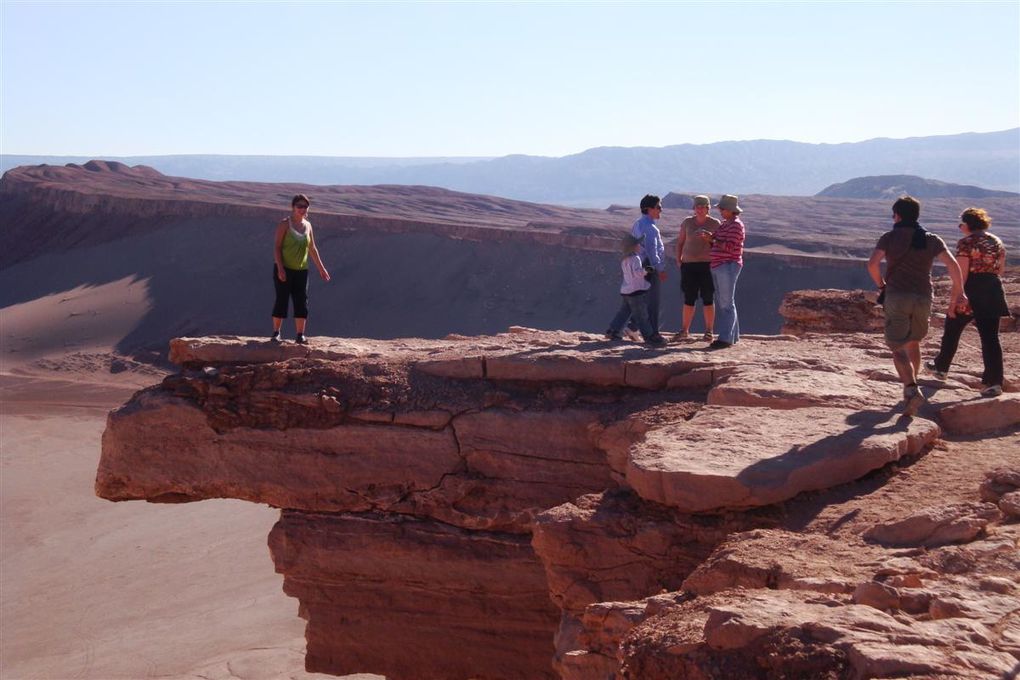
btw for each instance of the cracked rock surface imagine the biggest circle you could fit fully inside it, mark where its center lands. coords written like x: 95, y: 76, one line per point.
x: 529, y: 504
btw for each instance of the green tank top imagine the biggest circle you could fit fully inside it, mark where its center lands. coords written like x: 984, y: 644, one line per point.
x: 295, y: 249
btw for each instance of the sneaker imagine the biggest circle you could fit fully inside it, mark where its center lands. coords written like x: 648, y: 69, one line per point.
x: 613, y: 335
x: 993, y: 391
x: 656, y: 340
x: 682, y: 335
x: 912, y: 400
x: 719, y: 344
x: 707, y: 337
x: 301, y: 339
x: 941, y: 375
x: 632, y: 335
x: 275, y: 337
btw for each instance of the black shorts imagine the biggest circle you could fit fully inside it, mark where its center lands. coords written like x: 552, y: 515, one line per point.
x: 695, y: 280
x: 294, y: 288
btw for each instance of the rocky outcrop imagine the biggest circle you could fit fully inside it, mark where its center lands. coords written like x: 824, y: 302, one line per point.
x: 852, y: 311
x: 771, y: 603
x: 476, y: 507
x: 830, y: 311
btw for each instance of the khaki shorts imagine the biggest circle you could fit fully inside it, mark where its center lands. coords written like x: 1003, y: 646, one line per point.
x: 906, y: 317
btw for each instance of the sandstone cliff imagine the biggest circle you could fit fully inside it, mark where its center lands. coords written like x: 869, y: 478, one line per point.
x: 540, y: 503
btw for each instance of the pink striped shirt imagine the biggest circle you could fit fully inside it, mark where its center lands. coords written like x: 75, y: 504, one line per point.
x: 728, y: 243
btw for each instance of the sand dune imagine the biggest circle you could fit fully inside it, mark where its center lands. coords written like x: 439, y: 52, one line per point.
x: 97, y: 590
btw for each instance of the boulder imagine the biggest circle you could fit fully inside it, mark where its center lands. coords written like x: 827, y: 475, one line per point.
x: 733, y: 457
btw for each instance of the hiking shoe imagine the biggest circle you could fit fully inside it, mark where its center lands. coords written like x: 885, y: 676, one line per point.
x: 682, y: 335
x: 613, y: 335
x: 301, y: 339
x: 632, y: 335
x: 707, y: 337
x: 656, y: 340
x: 941, y: 375
x: 993, y: 391
x: 719, y: 344
x: 912, y: 400
x: 275, y: 337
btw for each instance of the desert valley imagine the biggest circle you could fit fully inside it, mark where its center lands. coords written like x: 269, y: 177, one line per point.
x: 459, y: 477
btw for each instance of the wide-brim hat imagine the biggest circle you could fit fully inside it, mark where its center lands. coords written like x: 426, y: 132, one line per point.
x: 729, y: 202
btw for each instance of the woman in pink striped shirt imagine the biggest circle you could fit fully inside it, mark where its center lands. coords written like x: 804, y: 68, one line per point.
x: 727, y: 260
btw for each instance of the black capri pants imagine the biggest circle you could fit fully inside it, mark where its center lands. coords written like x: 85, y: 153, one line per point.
x: 296, y: 288
x: 695, y: 280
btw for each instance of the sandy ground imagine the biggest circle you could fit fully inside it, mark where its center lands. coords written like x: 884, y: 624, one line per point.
x: 93, y: 589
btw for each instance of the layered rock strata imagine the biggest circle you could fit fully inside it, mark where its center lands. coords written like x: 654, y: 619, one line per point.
x: 464, y: 508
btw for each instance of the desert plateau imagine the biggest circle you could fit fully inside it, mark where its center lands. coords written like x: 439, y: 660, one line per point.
x: 459, y: 477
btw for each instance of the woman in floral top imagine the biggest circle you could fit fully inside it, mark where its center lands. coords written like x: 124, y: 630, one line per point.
x: 982, y: 259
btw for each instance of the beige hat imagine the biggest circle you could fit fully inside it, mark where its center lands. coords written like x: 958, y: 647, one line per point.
x: 729, y: 202
x: 701, y: 199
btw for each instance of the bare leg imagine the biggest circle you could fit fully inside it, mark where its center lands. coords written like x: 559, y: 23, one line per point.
x: 688, y: 317
x: 907, y: 359
x: 914, y: 351
x: 902, y: 357
x: 277, y: 324
x: 299, y: 325
x: 709, y: 317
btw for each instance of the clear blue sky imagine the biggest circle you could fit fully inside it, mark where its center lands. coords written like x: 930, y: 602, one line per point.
x: 488, y: 79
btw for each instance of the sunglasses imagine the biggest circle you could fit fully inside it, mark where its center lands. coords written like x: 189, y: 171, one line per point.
x: 301, y: 206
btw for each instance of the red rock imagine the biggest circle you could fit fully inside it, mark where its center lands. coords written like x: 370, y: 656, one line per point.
x: 731, y: 457
x: 1010, y: 504
x: 433, y: 507
x: 877, y: 595
x: 799, y: 388
x: 981, y: 415
x: 427, y: 596
x: 936, y: 526
x: 830, y: 311
x: 614, y: 547
x: 999, y: 482
x: 162, y: 447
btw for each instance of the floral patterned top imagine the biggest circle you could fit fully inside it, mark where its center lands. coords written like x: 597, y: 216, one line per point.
x: 983, y: 250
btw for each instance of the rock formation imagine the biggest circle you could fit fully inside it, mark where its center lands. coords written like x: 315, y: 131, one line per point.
x: 541, y: 503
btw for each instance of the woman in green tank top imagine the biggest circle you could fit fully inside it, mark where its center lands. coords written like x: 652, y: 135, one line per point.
x: 292, y: 246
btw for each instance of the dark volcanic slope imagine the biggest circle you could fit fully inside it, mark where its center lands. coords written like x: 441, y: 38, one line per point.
x: 97, y: 201
x: 892, y: 186
x: 45, y: 209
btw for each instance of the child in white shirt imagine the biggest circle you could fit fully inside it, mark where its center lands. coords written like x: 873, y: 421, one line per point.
x: 633, y: 291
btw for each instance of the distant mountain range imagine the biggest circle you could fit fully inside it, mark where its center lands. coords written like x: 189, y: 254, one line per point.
x: 601, y: 176
x: 891, y: 186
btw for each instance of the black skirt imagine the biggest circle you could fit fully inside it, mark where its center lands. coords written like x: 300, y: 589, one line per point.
x: 987, y: 298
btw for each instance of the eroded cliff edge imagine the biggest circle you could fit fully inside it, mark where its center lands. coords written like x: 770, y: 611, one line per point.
x: 499, y: 507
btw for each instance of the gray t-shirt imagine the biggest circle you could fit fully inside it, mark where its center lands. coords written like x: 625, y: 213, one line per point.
x: 909, y: 270
x: 696, y: 249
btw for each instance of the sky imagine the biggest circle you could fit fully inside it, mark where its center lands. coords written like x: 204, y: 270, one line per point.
x: 403, y: 79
